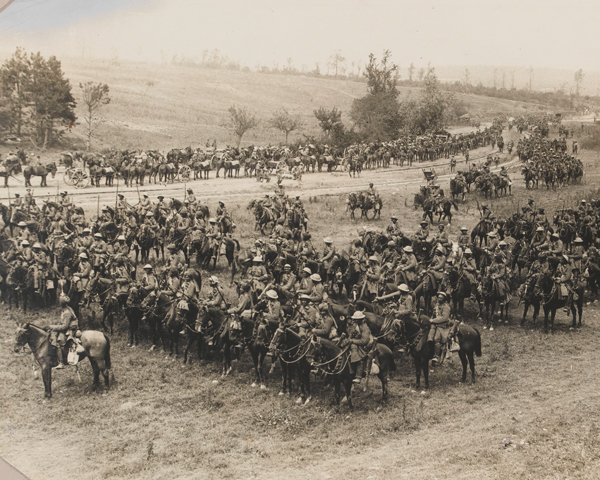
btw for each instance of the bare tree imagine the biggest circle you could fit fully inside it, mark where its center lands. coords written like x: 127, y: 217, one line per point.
x: 240, y: 121
x: 578, y: 80
x: 467, y: 77
x: 95, y: 96
x: 284, y: 121
x: 530, y: 79
x: 411, y: 72
x: 503, y: 80
x: 512, y: 80
x: 337, y: 63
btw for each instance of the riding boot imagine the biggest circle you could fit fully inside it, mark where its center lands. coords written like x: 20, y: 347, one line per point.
x: 60, y: 354
x: 438, y: 354
x: 360, y: 372
x: 567, y: 308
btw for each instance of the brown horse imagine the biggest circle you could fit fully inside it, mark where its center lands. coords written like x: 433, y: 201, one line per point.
x: 95, y: 345
x: 10, y: 170
x: 39, y: 171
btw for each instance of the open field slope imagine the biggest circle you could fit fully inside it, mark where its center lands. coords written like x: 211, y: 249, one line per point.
x: 533, y: 413
x: 166, y: 106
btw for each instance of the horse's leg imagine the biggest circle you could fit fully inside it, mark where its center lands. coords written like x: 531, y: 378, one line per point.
x: 418, y: 373
x: 96, y: 371
x: 525, y: 309
x: 463, y: 360
x: 47, y: 378
x: 348, y: 388
x: 188, y: 344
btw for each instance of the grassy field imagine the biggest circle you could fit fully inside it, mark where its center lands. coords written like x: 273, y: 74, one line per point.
x: 172, y: 106
x: 533, y: 413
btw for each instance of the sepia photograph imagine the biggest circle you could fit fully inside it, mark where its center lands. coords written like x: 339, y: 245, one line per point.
x: 257, y: 240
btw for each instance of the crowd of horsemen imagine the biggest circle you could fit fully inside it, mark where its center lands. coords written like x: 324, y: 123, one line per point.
x: 142, y: 166
x: 287, y: 279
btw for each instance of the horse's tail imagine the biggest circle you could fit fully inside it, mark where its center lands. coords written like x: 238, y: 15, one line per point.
x: 478, y: 343
x: 107, y: 352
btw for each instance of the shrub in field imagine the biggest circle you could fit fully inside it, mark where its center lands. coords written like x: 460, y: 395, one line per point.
x: 590, y: 139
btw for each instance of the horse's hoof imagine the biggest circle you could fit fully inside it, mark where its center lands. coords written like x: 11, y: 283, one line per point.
x: 308, y: 399
x: 299, y: 401
x: 263, y: 386
x: 491, y: 329
x: 344, y: 400
x: 151, y: 349
x: 254, y: 385
x: 281, y: 393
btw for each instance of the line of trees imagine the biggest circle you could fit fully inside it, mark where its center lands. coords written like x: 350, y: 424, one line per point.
x: 35, y: 98
x: 241, y: 120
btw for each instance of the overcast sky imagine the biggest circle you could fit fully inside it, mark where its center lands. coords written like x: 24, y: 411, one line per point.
x: 549, y: 33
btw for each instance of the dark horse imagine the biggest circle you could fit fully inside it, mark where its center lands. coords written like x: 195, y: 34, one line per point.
x: 460, y: 288
x: 531, y: 296
x: 95, y: 345
x: 491, y: 297
x: 443, y: 209
x: 336, y: 362
x: 552, y: 301
x: 415, y: 335
x: 293, y: 351
x: 39, y: 171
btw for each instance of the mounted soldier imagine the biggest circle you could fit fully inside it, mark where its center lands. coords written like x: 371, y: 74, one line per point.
x: 464, y: 241
x: 63, y: 331
x: 216, y: 297
x: 407, y: 268
x: 372, y: 279
x: 40, y: 265
x: 360, y: 340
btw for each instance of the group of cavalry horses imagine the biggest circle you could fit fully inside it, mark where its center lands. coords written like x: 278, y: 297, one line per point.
x: 152, y: 166
x: 166, y: 321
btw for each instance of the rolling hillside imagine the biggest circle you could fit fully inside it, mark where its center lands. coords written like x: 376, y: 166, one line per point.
x: 165, y: 106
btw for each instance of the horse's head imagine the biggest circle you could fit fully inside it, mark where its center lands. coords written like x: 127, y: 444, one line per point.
x: 21, y: 336
x: 453, y: 276
x: 277, y: 340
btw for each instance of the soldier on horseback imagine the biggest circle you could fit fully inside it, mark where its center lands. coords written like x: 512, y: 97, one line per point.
x: 329, y: 253
x: 175, y: 257
x: 563, y: 276
x: 99, y: 250
x: 407, y: 268
x: 464, y: 241
x: 40, y: 265
x: 394, y: 229
x: 257, y: 274
x: 442, y: 238
x: 497, y: 272
x: 360, y: 340
x: 437, y: 266
x: 149, y: 285
x: 191, y: 198
x: 145, y: 205
x: 64, y: 331
x: 288, y: 280
x: 372, y: 279
x: 216, y: 298
x: 423, y: 232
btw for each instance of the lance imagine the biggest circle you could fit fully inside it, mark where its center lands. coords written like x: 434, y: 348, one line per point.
x: 98, y: 208
x: 117, y: 201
